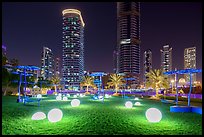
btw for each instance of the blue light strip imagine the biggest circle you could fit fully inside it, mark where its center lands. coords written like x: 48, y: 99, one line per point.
x: 183, y: 71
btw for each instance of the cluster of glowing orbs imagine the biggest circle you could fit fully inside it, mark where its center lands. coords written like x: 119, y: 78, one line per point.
x: 153, y: 115
x: 75, y: 103
x: 38, y: 116
x: 39, y: 96
x: 58, y: 98
x: 137, y: 103
x: 55, y: 115
x: 128, y: 104
x: 65, y: 98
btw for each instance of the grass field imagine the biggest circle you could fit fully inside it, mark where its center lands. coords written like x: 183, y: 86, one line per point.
x: 93, y: 117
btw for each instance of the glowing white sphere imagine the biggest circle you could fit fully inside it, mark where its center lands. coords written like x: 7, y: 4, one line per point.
x: 55, y: 94
x: 55, y: 115
x: 60, y: 94
x: 136, y: 98
x: 107, y: 96
x: 81, y: 95
x: 39, y: 96
x: 68, y: 95
x: 58, y: 98
x: 65, y: 98
x: 153, y: 115
x: 75, y: 96
x: 38, y: 116
x: 128, y: 104
x: 100, y: 97
x: 137, y: 103
x: 75, y: 102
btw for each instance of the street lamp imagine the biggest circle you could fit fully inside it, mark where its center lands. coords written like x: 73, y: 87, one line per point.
x: 172, y: 81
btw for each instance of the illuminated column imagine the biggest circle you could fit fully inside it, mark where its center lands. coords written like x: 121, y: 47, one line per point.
x: 189, y: 94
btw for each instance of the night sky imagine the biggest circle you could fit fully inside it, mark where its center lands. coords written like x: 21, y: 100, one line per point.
x: 27, y: 27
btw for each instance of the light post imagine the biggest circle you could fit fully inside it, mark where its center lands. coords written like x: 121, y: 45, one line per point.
x: 172, y: 82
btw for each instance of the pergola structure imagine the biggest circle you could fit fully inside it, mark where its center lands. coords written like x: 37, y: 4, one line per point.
x: 100, y: 86
x: 127, y: 79
x: 24, y: 73
x: 184, y: 71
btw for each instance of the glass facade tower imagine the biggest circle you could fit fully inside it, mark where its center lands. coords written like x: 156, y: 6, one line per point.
x: 128, y: 40
x: 73, y: 48
x: 147, y: 62
x: 166, y: 58
x: 190, y: 62
x: 47, y: 67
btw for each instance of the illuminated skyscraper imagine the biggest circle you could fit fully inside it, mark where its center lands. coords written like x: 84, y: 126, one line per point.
x: 147, y: 58
x: 166, y: 58
x: 47, y: 67
x: 128, y: 40
x: 73, y: 48
x: 190, y: 62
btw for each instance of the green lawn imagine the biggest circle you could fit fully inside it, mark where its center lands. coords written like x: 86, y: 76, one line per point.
x: 95, y: 118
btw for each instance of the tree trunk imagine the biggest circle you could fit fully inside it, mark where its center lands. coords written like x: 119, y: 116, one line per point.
x: 157, y: 95
x: 116, y: 89
x: 55, y: 88
x: 6, y: 88
x: 87, y: 88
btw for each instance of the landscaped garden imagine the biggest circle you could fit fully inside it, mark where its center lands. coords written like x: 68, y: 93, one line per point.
x: 95, y: 117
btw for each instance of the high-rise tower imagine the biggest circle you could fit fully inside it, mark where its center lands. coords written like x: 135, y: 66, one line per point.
x: 128, y: 39
x: 47, y: 65
x: 190, y: 62
x: 166, y: 58
x: 147, y: 58
x: 73, y: 48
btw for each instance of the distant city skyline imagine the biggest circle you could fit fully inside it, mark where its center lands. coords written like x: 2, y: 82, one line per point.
x: 28, y: 26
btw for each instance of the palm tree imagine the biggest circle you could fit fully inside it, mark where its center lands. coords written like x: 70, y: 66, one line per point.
x: 87, y: 81
x: 55, y: 80
x: 7, y: 79
x: 14, y: 62
x: 4, y: 60
x: 156, y: 80
x: 116, y: 81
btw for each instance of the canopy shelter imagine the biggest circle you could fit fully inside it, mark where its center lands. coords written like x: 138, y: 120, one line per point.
x: 127, y: 79
x: 100, y: 86
x: 24, y: 73
x: 184, y: 71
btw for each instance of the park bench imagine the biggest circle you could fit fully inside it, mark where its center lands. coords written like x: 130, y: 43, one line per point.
x: 28, y: 99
